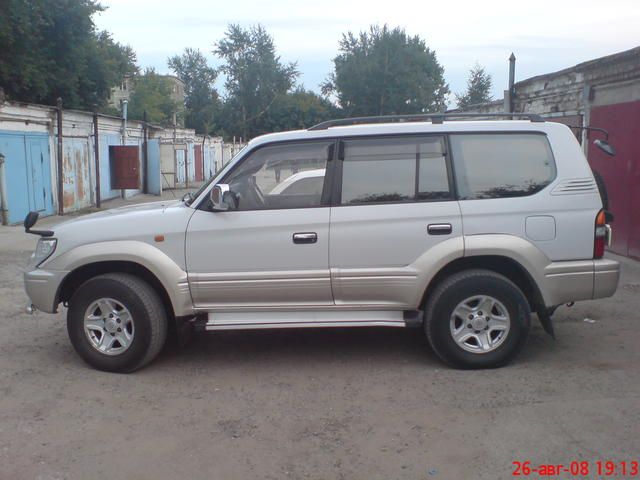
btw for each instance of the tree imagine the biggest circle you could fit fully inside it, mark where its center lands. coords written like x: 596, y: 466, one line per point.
x: 479, y: 86
x: 152, y: 93
x: 385, y: 71
x: 255, y: 77
x: 299, y: 109
x: 107, y: 66
x: 51, y: 49
x: 201, y: 98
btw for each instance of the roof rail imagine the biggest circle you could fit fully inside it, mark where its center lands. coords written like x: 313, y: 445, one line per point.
x: 436, y: 118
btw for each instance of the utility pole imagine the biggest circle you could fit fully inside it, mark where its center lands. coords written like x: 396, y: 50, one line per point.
x: 125, y: 113
x: 59, y: 155
x: 145, y: 152
x: 96, y: 149
x: 509, y: 94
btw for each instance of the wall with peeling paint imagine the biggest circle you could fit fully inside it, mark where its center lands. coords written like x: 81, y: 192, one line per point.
x: 79, y: 179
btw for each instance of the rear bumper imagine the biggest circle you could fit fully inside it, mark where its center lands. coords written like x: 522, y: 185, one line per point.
x: 580, y: 280
x: 605, y: 278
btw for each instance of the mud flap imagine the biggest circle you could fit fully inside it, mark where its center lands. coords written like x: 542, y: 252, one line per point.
x: 184, y: 330
x: 544, y: 315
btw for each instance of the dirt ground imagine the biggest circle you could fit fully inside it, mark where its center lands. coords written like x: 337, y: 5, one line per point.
x: 315, y: 404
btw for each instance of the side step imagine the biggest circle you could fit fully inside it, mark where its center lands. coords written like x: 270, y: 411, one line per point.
x: 307, y: 319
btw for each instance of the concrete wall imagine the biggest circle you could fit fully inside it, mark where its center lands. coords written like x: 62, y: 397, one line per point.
x: 568, y: 95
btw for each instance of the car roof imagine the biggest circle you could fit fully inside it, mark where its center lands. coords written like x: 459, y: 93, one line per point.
x: 409, y: 127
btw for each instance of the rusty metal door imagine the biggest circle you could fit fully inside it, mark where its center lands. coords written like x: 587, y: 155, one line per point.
x: 199, y: 163
x: 125, y: 166
x: 76, y: 179
x: 622, y: 172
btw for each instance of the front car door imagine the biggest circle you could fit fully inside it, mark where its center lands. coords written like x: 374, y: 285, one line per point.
x: 394, y: 218
x: 273, y: 249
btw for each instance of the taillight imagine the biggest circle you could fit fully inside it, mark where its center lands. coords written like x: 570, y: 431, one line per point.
x: 601, y: 233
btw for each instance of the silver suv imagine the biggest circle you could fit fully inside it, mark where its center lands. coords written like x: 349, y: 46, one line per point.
x: 462, y: 228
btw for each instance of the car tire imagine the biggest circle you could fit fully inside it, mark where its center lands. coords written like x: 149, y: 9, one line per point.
x: 117, y: 322
x: 484, y: 339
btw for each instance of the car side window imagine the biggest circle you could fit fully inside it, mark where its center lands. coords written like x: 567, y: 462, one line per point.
x: 501, y: 165
x: 305, y: 186
x: 384, y: 170
x: 281, y: 176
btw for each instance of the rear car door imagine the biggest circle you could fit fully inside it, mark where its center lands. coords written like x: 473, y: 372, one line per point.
x: 394, y: 212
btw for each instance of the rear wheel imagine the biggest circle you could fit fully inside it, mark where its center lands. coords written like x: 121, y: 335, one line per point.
x: 116, y: 322
x: 477, y: 319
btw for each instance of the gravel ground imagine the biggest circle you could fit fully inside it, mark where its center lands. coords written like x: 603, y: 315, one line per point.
x: 315, y: 404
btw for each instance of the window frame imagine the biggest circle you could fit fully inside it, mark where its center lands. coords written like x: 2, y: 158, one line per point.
x: 501, y: 132
x: 326, y: 186
x: 336, y: 191
x: 332, y: 185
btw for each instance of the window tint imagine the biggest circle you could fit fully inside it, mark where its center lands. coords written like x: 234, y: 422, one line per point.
x: 501, y: 165
x: 394, y: 170
x: 269, y: 177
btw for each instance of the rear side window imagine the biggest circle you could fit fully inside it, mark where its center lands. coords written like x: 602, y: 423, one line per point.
x: 387, y: 170
x: 501, y: 165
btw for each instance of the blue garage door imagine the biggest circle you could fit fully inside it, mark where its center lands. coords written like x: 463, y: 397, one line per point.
x: 153, y: 167
x: 27, y: 174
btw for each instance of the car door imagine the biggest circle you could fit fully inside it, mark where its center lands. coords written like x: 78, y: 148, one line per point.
x: 273, y: 249
x: 394, y: 217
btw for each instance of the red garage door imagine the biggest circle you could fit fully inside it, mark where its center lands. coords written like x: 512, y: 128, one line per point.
x: 622, y: 172
x: 125, y: 162
x: 199, y: 163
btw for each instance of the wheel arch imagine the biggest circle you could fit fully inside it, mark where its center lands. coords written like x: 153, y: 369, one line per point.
x: 501, y: 264
x: 81, y: 274
x: 147, y: 261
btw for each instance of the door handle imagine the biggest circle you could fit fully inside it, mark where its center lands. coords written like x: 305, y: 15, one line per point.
x: 305, y: 237
x: 439, y: 229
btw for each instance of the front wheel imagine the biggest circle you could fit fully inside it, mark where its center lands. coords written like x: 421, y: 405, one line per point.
x: 477, y: 319
x: 116, y: 322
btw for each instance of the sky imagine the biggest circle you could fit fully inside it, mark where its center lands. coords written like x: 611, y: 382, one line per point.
x: 545, y: 35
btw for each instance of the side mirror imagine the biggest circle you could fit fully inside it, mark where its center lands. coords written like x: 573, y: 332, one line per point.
x: 605, y: 147
x: 30, y: 220
x: 222, y: 199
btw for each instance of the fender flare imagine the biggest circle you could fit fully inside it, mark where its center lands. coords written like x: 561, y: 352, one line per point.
x: 170, y: 275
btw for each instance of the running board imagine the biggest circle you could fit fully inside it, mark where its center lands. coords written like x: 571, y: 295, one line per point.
x: 304, y: 319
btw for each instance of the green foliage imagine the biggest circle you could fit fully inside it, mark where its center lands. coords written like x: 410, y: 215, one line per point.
x: 479, y: 86
x: 201, y: 98
x: 297, y: 110
x: 384, y: 72
x: 255, y: 78
x: 153, y: 93
x: 51, y: 49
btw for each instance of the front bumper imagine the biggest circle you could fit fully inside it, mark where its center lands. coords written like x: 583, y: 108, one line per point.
x: 42, y: 288
x: 580, y: 280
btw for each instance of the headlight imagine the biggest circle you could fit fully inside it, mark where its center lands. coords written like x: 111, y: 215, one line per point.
x: 44, y: 249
